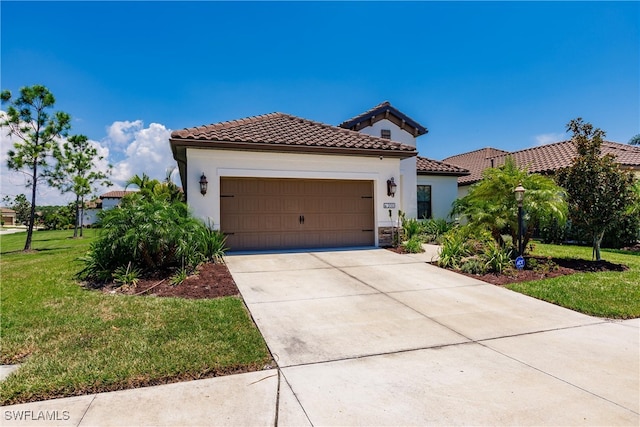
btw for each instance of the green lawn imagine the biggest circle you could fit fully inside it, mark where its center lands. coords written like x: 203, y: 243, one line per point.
x: 72, y: 341
x: 609, y: 294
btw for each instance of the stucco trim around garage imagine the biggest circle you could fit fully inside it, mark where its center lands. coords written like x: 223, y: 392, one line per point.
x: 217, y: 164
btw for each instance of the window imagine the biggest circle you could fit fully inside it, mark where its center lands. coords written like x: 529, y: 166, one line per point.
x: 424, y: 201
x: 385, y: 133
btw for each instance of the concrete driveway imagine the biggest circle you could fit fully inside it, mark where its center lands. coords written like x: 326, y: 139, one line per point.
x: 369, y: 337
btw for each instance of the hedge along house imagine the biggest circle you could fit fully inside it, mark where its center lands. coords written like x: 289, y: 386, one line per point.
x: 278, y: 181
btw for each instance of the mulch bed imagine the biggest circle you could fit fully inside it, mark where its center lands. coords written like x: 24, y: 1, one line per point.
x: 548, y: 268
x: 211, y: 281
x: 214, y: 280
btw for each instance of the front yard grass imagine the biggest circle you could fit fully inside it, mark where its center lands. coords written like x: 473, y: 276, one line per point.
x: 71, y: 341
x: 613, y: 295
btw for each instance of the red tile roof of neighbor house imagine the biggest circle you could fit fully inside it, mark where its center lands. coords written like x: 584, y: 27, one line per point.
x: 433, y: 167
x: 117, y: 194
x: 283, y: 132
x: 380, y: 112
x: 542, y: 159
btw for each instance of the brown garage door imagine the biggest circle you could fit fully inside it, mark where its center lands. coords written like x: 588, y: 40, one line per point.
x: 266, y: 213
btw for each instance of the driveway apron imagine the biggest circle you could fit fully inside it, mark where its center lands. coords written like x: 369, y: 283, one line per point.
x: 370, y: 337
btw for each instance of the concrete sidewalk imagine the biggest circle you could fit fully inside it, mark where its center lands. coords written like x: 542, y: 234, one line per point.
x: 370, y: 337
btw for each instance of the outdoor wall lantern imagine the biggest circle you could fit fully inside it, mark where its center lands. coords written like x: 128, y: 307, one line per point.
x: 391, y: 187
x: 203, y: 184
x: 519, y: 192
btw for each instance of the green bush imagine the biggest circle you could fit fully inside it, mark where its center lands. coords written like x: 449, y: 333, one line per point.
x: 474, y: 251
x: 496, y: 258
x: 473, y: 265
x: 455, y: 247
x: 411, y: 228
x: 413, y: 245
x: 434, y: 229
x: 153, y: 235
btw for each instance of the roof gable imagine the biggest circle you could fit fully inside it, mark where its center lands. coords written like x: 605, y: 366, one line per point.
x: 283, y: 132
x: 385, y: 111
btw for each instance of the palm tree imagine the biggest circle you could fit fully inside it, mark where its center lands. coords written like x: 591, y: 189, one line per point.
x: 153, y: 189
x: 491, y: 204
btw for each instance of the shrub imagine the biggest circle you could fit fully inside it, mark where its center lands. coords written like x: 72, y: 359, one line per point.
x: 126, y: 276
x: 411, y: 228
x: 413, y: 245
x: 152, y: 235
x: 434, y: 229
x: 473, y: 265
x: 496, y: 258
x: 455, y: 246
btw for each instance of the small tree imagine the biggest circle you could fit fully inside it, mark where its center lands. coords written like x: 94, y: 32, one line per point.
x: 491, y: 204
x: 28, y: 120
x: 74, y: 172
x: 599, y: 192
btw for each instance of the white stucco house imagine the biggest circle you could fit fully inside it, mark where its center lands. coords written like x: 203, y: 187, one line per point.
x: 106, y: 201
x: 278, y: 181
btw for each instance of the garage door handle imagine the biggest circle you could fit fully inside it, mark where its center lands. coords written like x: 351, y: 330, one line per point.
x: 301, y: 219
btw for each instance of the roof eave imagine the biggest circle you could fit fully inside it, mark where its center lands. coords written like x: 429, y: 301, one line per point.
x: 281, y: 148
x: 443, y: 173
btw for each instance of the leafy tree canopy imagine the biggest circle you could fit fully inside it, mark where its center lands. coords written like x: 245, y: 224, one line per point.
x: 599, y: 192
x: 491, y: 204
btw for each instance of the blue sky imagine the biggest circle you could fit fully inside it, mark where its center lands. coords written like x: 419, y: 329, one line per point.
x: 508, y: 75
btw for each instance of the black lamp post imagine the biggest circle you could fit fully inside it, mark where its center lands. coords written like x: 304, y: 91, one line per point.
x: 519, y: 192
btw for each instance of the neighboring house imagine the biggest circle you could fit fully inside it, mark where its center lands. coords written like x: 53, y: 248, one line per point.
x: 106, y: 201
x: 544, y: 159
x: 8, y: 217
x: 278, y: 181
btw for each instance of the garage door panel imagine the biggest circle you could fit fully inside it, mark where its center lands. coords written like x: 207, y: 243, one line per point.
x: 266, y: 213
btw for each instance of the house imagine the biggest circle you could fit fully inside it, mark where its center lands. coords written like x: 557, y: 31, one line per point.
x: 278, y: 181
x: 8, y: 217
x: 106, y: 201
x: 544, y: 159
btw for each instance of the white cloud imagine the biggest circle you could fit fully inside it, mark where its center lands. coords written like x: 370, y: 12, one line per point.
x: 139, y: 150
x: 148, y: 152
x: 549, y: 138
x: 124, y: 132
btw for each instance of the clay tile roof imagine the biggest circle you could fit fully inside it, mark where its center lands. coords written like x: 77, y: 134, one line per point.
x: 379, y: 111
x: 118, y: 194
x: 278, y: 130
x: 434, y: 167
x: 7, y: 210
x: 475, y: 162
x: 542, y: 159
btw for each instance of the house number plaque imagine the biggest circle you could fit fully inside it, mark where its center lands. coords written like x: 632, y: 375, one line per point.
x: 389, y: 205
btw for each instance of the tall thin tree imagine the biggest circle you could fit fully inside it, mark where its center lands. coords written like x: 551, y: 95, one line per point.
x: 28, y: 119
x: 75, y: 172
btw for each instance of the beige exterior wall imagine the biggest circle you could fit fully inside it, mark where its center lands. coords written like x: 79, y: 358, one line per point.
x: 444, y: 191
x: 228, y: 163
x: 406, y: 191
